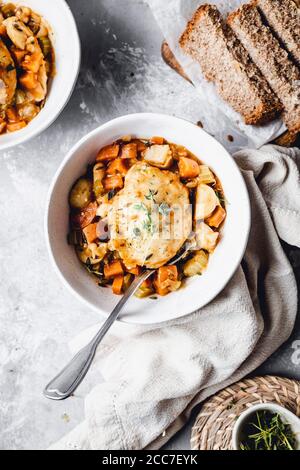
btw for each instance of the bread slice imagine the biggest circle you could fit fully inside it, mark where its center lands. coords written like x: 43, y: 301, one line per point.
x: 272, y: 60
x: 287, y: 139
x: 284, y: 18
x: 225, y: 62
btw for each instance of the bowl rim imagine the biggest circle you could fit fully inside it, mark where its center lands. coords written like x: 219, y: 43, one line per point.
x: 287, y: 414
x: 68, y: 157
x: 19, y: 138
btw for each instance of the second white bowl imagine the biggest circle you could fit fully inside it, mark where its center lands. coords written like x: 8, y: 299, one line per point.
x: 66, y: 43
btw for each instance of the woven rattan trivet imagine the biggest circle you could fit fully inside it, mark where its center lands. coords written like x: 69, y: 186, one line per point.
x: 213, y: 427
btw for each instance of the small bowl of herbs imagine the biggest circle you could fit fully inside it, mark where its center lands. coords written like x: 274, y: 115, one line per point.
x: 266, y: 426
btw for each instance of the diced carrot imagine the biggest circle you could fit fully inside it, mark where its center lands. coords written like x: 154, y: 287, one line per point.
x: 217, y: 217
x: 188, y: 168
x: 86, y: 216
x: 17, y: 54
x: 140, y: 145
x: 113, y: 182
x: 3, y: 31
x: 28, y: 81
x: 160, y: 290
x: 147, y: 284
x: 12, y: 115
x: 113, y: 269
x: 16, y: 126
x: 117, y: 285
x: 164, y: 278
x: 136, y: 271
x: 117, y: 166
x: 2, y: 126
x: 108, y: 153
x: 157, y: 140
x: 167, y: 272
x: 129, y: 150
x: 90, y: 233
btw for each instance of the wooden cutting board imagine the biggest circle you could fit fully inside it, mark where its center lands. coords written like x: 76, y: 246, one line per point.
x: 286, y: 139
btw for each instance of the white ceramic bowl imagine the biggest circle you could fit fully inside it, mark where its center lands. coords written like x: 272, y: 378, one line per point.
x: 65, y: 39
x: 198, y: 290
x: 286, y: 416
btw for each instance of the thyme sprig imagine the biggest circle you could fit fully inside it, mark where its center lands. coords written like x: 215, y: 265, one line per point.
x: 272, y: 433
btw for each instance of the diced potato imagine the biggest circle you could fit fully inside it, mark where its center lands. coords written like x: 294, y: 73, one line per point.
x: 205, y: 175
x: 206, y: 201
x: 81, y: 193
x: 196, y: 265
x: 28, y: 111
x: 217, y: 217
x: 206, y: 238
x: 158, y: 155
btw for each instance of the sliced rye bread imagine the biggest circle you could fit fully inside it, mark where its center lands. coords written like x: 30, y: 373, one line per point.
x: 225, y: 62
x: 273, y: 61
x: 284, y: 18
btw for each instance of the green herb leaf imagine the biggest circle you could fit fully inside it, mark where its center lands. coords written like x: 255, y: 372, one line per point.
x: 151, y: 195
x: 273, y: 433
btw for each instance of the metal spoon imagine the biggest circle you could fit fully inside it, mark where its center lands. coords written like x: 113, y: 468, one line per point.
x: 66, y: 382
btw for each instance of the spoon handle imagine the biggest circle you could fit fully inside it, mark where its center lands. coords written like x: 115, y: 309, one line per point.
x: 66, y: 382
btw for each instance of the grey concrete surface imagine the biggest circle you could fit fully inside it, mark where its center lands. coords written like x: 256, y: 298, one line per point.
x: 121, y: 72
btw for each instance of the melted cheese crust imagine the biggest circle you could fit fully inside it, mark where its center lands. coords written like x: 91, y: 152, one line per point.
x: 150, y: 218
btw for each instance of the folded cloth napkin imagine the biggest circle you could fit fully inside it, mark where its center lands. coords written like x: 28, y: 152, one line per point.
x: 155, y: 374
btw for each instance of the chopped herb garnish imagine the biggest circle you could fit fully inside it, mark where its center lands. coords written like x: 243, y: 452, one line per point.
x: 148, y: 224
x: 268, y: 432
x: 151, y: 195
x: 111, y: 194
x: 140, y: 206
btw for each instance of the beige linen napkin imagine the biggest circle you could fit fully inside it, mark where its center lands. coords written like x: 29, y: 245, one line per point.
x: 154, y: 375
